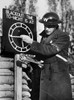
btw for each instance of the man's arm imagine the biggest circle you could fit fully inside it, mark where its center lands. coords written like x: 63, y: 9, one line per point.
x: 51, y: 48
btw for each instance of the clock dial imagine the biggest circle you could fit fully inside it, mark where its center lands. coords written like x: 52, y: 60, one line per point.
x: 15, y: 40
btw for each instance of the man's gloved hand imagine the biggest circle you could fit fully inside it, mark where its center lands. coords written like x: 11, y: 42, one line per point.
x: 26, y: 39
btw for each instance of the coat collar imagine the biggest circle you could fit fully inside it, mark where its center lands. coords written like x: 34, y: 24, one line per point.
x: 43, y: 34
x: 51, y: 37
x: 56, y: 32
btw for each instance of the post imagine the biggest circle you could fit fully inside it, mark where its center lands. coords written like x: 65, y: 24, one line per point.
x: 22, y: 90
x: 18, y: 80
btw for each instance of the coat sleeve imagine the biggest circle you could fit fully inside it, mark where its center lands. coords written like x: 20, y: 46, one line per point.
x: 50, y: 49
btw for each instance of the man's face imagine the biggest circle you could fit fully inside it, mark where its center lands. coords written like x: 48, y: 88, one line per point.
x: 48, y: 30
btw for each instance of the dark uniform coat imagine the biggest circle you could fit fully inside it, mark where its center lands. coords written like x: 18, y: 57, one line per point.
x: 55, y: 80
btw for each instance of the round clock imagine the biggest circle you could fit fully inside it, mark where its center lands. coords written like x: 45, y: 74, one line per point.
x: 15, y: 40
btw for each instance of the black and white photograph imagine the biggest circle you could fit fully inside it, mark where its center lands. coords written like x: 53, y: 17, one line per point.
x: 36, y: 49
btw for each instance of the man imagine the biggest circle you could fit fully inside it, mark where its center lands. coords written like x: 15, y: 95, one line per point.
x: 55, y: 80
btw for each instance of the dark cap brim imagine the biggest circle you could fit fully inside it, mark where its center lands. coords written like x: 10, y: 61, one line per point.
x: 50, y: 23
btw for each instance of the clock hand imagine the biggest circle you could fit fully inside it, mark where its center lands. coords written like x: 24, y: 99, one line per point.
x: 15, y: 36
x: 22, y: 44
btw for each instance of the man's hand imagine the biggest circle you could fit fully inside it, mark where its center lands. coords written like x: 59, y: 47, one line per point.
x: 26, y: 39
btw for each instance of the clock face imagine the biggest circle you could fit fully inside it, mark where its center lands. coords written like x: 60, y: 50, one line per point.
x: 14, y: 33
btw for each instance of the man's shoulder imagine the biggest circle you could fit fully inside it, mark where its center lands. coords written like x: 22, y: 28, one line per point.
x: 61, y: 33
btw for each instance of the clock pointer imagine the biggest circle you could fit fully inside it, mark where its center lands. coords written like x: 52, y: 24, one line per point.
x: 15, y: 36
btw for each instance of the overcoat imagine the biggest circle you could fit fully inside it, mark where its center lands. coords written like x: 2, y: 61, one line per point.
x: 55, y: 81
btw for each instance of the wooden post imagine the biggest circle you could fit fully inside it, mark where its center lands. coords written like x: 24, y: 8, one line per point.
x: 22, y: 90
x: 18, y: 79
